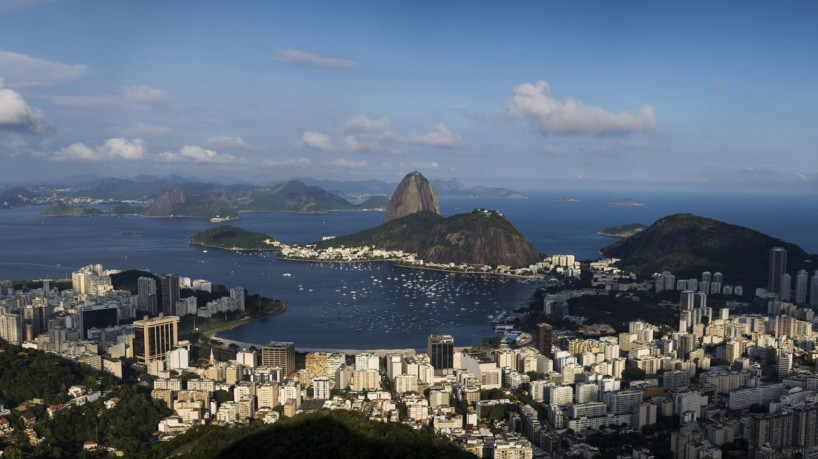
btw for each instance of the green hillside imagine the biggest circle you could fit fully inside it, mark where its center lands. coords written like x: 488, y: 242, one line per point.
x: 232, y: 238
x: 687, y: 245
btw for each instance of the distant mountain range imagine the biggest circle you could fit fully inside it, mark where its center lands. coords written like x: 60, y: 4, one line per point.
x: 452, y: 188
x: 687, y: 245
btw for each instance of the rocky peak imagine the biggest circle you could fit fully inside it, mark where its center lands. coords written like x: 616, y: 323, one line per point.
x: 413, y: 194
x: 163, y: 205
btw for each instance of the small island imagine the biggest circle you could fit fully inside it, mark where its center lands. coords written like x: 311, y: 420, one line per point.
x: 623, y: 230
x: 61, y: 209
x: 628, y: 202
x: 566, y: 198
x: 229, y: 237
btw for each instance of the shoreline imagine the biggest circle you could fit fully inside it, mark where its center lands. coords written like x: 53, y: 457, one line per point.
x: 410, y: 266
x: 213, y: 333
x: 232, y: 249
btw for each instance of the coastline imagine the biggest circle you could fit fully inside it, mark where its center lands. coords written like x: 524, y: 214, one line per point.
x: 427, y: 268
x: 232, y: 249
x: 213, y: 332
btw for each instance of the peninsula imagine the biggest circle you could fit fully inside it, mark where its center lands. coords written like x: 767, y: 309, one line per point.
x: 229, y: 237
x: 627, y: 230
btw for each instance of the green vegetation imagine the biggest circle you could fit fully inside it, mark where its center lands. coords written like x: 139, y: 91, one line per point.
x: 477, y: 238
x: 687, y: 244
x: 292, y: 196
x: 623, y: 230
x: 126, y: 209
x: 61, y: 209
x: 26, y: 374
x: 338, y: 434
x: 207, y: 205
x: 232, y: 238
x: 618, y: 311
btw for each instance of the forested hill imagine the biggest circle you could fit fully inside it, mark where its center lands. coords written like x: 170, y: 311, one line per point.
x: 687, y: 245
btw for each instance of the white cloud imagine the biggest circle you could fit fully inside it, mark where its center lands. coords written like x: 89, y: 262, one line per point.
x: 438, y: 136
x: 227, y: 142
x: 144, y: 94
x: 424, y: 165
x: 15, y: 113
x: 197, y: 154
x: 377, y: 135
x: 316, y: 140
x: 362, y: 123
x: 295, y: 57
x: 301, y: 162
x: 114, y: 148
x: 342, y: 163
x: 21, y: 70
x: 77, y: 152
x: 120, y: 148
x: 139, y: 94
x: 149, y: 130
x: 534, y: 102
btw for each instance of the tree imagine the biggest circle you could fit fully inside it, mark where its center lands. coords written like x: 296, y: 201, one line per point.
x: 534, y: 375
x: 633, y: 373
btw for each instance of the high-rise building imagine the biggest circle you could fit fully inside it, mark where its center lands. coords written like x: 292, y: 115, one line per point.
x: 441, y: 353
x: 170, y: 293
x: 686, y: 300
x: 706, y: 276
x: 778, y: 266
x: 801, y: 287
x: 786, y: 287
x: 813, y: 289
x: 237, y: 295
x: 11, y: 328
x: 99, y: 316
x: 699, y: 300
x: 146, y: 296
x: 279, y: 354
x: 544, y: 337
x: 154, y: 337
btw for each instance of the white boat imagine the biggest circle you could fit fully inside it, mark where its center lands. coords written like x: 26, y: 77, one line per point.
x: 287, y: 275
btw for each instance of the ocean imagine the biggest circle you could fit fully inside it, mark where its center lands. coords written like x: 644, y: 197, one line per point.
x: 391, y: 307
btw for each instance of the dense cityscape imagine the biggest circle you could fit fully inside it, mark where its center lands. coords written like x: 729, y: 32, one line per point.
x: 740, y: 377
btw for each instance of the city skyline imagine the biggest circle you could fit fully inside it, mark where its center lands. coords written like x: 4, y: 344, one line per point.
x: 600, y: 95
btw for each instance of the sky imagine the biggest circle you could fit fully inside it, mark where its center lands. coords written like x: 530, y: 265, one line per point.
x: 607, y: 94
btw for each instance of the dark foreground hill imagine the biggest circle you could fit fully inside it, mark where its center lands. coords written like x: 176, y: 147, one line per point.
x: 481, y: 237
x: 687, y: 245
x: 331, y: 434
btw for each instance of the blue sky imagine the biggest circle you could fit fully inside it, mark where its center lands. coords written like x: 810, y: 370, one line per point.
x: 688, y: 95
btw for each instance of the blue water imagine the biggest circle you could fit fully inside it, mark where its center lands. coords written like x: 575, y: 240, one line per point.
x: 387, y: 311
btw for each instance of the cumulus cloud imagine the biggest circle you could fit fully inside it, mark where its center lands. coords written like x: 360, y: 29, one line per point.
x: 21, y: 70
x: 112, y: 149
x: 227, y: 142
x: 200, y: 155
x: 438, y: 136
x: 16, y: 113
x: 300, y: 162
x: 295, y: 57
x: 342, y: 163
x: 534, y: 102
x: 366, y: 134
x: 149, y: 130
x: 316, y: 140
x: 362, y: 123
